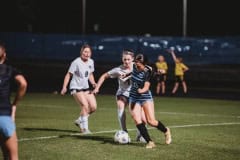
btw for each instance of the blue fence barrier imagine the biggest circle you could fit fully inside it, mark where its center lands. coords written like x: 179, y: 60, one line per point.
x: 194, y: 50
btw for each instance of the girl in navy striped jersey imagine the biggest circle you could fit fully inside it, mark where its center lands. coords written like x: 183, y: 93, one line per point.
x: 141, y: 98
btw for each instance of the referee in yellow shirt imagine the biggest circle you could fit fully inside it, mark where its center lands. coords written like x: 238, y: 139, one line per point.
x: 180, y: 69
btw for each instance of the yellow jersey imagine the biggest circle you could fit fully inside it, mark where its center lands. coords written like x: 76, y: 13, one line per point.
x: 179, y: 69
x: 162, y: 67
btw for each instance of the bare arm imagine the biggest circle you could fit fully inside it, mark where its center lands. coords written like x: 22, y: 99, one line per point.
x: 22, y: 83
x: 92, y: 80
x: 145, y: 88
x: 65, y: 83
x: 173, y: 54
x: 100, y: 82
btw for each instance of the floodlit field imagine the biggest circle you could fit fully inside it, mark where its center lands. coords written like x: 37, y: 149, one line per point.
x: 201, y: 129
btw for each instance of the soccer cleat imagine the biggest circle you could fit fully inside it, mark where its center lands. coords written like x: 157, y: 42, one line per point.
x: 86, y: 131
x: 150, y: 145
x: 168, y: 137
x: 78, y: 123
x: 140, y: 139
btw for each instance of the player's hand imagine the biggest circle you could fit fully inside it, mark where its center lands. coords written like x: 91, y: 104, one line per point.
x: 94, y: 85
x: 95, y: 91
x: 63, y: 91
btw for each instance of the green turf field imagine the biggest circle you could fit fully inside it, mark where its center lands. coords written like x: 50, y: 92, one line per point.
x: 201, y: 129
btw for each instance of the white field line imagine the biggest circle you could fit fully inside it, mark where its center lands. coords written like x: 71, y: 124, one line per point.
x: 133, y: 129
x: 114, y: 108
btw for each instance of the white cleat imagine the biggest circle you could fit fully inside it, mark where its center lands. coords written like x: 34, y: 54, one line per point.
x: 168, y: 137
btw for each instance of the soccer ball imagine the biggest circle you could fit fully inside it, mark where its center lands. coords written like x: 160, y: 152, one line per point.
x: 122, y: 137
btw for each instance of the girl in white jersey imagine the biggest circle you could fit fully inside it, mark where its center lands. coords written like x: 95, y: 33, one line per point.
x: 123, y: 74
x: 80, y: 72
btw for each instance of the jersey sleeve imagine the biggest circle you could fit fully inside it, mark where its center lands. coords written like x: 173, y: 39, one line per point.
x: 72, y: 67
x: 114, y: 73
x: 148, y: 74
x: 92, y: 67
x: 183, y: 66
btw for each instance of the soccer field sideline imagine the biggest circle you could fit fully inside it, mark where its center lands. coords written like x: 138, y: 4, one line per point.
x: 113, y: 131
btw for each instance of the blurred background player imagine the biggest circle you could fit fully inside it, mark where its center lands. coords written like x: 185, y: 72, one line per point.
x: 141, y: 98
x: 80, y: 72
x: 8, y: 136
x: 161, y: 74
x: 123, y: 74
x: 180, y: 69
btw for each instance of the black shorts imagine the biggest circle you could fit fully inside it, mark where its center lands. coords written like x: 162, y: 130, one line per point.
x: 72, y: 91
x: 179, y: 78
x: 122, y: 98
x: 161, y: 77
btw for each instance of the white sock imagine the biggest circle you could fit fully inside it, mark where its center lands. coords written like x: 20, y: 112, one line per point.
x: 84, y: 120
x: 122, y: 119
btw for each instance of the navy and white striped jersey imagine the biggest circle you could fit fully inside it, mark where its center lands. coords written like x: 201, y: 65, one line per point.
x: 138, y: 79
x: 7, y: 74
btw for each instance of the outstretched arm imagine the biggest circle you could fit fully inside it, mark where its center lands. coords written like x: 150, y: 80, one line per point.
x: 173, y: 54
x: 65, y: 83
x: 100, y: 82
x: 22, y: 83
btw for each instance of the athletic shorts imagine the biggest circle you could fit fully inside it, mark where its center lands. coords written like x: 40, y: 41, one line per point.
x: 139, y: 101
x: 73, y: 91
x: 7, y: 126
x: 123, y: 98
x: 179, y: 78
x: 161, y: 77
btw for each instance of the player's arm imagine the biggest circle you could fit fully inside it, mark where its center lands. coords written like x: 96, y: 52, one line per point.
x: 145, y: 88
x: 22, y: 87
x: 65, y: 82
x: 102, y: 78
x: 173, y: 54
x: 92, y: 80
x: 185, y: 68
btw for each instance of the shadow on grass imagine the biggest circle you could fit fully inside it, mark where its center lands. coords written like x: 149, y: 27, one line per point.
x: 102, y: 139
x: 50, y: 130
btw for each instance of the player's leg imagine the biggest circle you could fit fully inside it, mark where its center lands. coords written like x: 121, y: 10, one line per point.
x: 12, y: 147
x: 184, y: 85
x: 175, y: 88
x: 136, y: 111
x: 121, y: 103
x: 148, y: 107
x: 138, y: 135
x: 163, y: 87
x: 158, y: 88
x: 82, y: 121
x: 92, y: 103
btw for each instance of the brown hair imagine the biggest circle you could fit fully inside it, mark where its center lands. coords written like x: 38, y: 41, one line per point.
x: 85, y: 46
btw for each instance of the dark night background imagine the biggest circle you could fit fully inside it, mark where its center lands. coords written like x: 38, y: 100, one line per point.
x: 121, y: 17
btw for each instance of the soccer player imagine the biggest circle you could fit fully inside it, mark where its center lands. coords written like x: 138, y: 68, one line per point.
x: 161, y: 74
x: 123, y: 74
x: 8, y: 135
x: 80, y: 72
x: 180, y: 69
x: 141, y: 98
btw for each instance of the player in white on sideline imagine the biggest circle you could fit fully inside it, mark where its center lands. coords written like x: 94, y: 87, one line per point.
x: 123, y: 74
x: 80, y: 72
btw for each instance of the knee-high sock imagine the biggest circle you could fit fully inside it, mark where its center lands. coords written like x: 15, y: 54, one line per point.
x: 122, y: 119
x: 161, y: 127
x: 84, y: 120
x: 143, y: 130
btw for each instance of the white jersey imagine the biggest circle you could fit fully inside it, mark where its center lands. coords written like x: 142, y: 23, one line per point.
x: 124, y: 84
x: 80, y: 73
